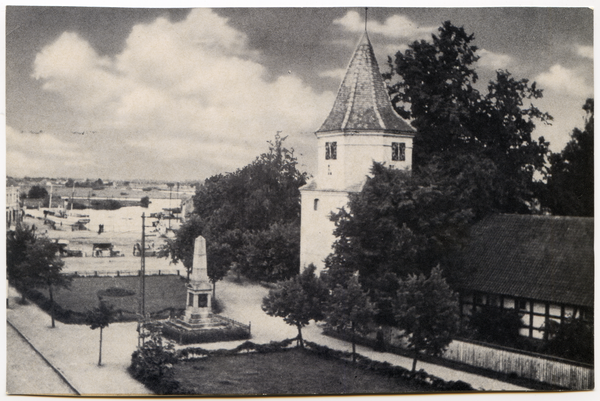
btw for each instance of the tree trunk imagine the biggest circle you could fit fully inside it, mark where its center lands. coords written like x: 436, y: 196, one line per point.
x: 300, y: 340
x: 353, y: 344
x: 214, y: 289
x: 51, y: 304
x: 414, y: 365
x: 100, y: 354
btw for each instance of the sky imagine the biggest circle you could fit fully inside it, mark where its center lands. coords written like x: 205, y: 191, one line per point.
x: 183, y: 94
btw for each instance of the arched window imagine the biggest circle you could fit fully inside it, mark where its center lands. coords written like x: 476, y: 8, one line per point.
x: 316, y: 204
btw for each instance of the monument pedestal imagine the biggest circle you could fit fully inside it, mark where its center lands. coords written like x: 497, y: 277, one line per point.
x: 199, y: 324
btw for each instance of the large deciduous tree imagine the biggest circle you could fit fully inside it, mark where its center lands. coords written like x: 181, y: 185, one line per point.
x: 434, y: 85
x: 239, y: 212
x: 570, y: 187
x: 401, y: 224
x: 428, y: 312
x: 298, y: 300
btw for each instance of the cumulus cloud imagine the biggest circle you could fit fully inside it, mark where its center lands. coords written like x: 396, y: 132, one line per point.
x: 194, y: 82
x: 494, y: 61
x: 564, y: 80
x: 396, y: 26
x: 585, y: 51
x: 337, y: 73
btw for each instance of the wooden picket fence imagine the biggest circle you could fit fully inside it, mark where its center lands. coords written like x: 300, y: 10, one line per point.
x: 120, y: 273
x: 528, y: 365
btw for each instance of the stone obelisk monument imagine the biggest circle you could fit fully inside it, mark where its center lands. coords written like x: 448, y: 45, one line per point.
x: 199, y: 297
x: 199, y: 325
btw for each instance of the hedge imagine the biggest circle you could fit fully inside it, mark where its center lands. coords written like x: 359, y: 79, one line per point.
x: 420, y: 378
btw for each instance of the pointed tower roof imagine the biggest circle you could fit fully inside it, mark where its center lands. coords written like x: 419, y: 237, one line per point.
x: 362, y: 102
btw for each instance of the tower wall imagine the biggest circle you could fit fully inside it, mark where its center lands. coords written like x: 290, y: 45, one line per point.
x: 355, y: 154
x: 316, y: 230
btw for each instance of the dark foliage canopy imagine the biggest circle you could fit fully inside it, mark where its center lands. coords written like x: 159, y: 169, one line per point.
x: 32, y: 260
x: 250, y: 218
x: 37, y: 192
x: 570, y: 188
x: 433, y: 84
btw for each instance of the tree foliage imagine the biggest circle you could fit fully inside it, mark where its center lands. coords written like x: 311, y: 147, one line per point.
x: 32, y: 262
x: 428, y: 312
x: 272, y: 254
x: 16, y: 256
x: 239, y: 212
x: 37, y: 192
x: 495, y: 325
x: 349, y: 307
x: 574, y: 339
x: 298, y: 300
x: 434, y: 85
x: 570, y: 187
x: 145, y: 201
x: 401, y: 224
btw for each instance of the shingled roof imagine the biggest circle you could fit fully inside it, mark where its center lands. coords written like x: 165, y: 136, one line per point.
x: 545, y: 258
x: 362, y: 102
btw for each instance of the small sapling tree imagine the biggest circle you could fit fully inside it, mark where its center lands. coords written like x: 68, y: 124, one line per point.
x: 297, y: 300
x: 349, y: 307
x: 428, y: 312
x: 99, y: 318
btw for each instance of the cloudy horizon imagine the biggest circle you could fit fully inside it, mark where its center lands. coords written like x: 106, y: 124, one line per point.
x: 184, y: 94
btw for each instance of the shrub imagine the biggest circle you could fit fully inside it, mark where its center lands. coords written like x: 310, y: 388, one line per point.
x: 182, y: 336
x: 152, y: 364
x: 108, y: 204
x: 496, y: 326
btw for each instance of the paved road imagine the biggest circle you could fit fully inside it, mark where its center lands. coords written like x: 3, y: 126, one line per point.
x: 27, y: 372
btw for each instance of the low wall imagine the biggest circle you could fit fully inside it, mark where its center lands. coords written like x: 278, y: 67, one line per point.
x: 531, y: 366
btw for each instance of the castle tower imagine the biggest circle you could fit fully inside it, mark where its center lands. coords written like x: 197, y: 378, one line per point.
x: 362, y: 127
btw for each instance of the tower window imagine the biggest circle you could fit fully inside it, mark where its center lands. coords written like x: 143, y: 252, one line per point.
x: 398, y: 151
x: 330, y: 150
x: 316, y: 204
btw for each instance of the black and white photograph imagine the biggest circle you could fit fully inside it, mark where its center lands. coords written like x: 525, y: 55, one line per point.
x: 299, y: 200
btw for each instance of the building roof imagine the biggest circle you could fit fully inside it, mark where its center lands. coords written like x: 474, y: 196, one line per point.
x: 546, y: 258
x: 362, y: 102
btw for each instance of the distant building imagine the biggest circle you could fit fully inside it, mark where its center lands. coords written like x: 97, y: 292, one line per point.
x: 361, y: 128
x: 14, y: 212
x: 541, y: 267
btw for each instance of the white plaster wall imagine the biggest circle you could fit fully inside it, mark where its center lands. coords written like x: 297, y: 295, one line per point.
x: 316, y: 231
x: 355, y: 155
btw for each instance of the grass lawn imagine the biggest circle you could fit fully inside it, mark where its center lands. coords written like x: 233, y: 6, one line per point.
x: 289, y: 372
x: 162, y: 292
